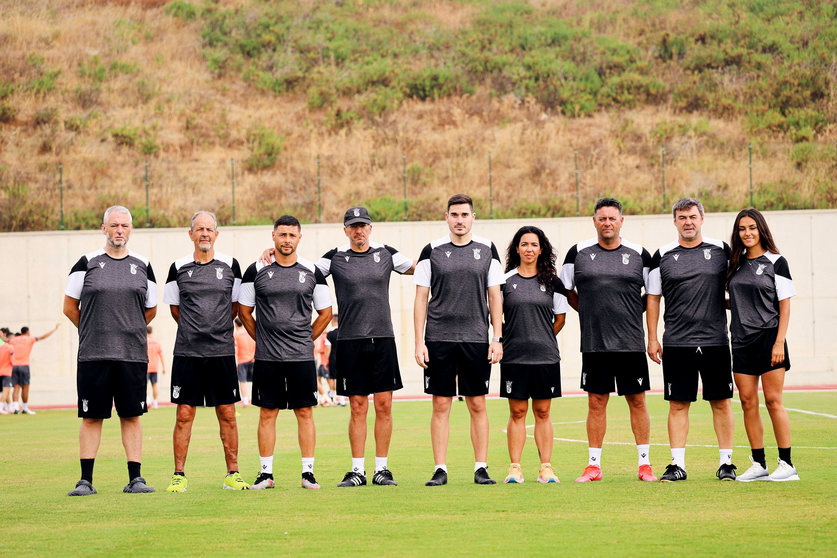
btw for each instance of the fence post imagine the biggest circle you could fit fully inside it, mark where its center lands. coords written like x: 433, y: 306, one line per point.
x: 232, y: 178
x: 750, y: 163
x: 577, y: 198
x: 663, y: 158
x: 61, y: 191
x: 404, y: 181
x: 490, y: 188
x: 319, y: 193
x: 147, y: 207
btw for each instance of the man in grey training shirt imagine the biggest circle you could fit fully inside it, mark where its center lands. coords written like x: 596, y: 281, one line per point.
x: 609, y: 274
x: 690, y: 273
x: 462, y: 272
x: 111, y: 296
x: 367, y: 361
x: 202, y: 291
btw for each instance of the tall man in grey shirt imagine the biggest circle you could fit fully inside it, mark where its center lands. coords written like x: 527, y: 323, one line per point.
x: 202, y: 291
x: 690, y: 274
x: 464, y: 276
x: 111, y: 296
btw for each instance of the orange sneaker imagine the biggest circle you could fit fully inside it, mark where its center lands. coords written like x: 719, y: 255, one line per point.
x: 591, y: 473
x: 645, y: 474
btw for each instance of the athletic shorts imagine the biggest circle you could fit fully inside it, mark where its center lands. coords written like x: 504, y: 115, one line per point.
x: 284, y: 385
x: 682, y: 365
x: 5, y: 381
x: 449, y: 361
x: 204, y: 381
x: 536, y: 381
x: 367, y: 366
x: 753, y: 358
x: 245, y: 371
x: 628, y: 371
x: 323, y: 372
x: 21, y: 375
x: 152, y: 377
x: 103, y: 384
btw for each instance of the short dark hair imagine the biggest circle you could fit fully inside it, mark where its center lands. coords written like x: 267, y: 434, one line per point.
x: 238, y: 322
x: 288, y: 221
x: 458, y: 199
x: 24, y: 330
x: 608, y: 202
x: 684, y: 204
x: 148, y: 329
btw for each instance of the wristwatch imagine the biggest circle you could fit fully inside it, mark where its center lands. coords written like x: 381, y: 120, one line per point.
x: 496, y: 339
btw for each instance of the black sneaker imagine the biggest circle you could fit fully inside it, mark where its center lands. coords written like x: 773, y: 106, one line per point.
x: 481, y: 477
x: 439, y: 478
x: 263, y: 482
x: 673, y: 473
x: 726, y: 472
x: 383, y: 478
x: 352, y: 479
x: 309, y: 482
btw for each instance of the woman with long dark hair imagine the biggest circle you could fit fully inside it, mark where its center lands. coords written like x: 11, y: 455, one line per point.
x: 534, y: 309
x: 760, y: 288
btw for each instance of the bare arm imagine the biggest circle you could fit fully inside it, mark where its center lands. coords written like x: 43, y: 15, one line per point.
x: 175, y: 312
x: 495, y: 309
x: 245, y: 314
x: 149, y: 314
x: 558, y: 324
x: 47, y: 334
x: 778, y: 354
x: 419, y: 317
x: 652, y: 317
x: 72, y: 309
x: 322, y: 321
x: 234, y: 310
x: 572, y: 299
x: 411, y: 270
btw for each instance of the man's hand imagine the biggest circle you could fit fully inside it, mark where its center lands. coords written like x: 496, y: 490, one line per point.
x: 422, y: 356
x: 655, y: 351
x: 495, y: 352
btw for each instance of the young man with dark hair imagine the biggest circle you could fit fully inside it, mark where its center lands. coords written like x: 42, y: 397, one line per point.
x: 21, y: 376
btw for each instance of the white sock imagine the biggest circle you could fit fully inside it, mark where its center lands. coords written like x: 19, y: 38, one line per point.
x: 359, y: 466
x: 26, y: 406
x: 594, y: 456
x: 441, y: 466
x: 478, y: 464
x: 266, y: 464
x: 726, y: 457
x: 678, y: 457
x: 16, y: 406
x: 307, y: 464
x: 380, y: 463
x: 643, y: 451
x: 331, y: 394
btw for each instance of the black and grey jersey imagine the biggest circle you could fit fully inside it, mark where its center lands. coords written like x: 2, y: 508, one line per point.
x: 691, y: 280
x: 458, y: 278
x: 204, y: 294
x: 609, y: 285
x: 361, y: 282
x: 529, y: 310
x: 282, y: 297
x: 755, y: 290
x: 113, y: 296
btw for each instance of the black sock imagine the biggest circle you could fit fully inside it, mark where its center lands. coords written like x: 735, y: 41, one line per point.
x: 182, y: 473
x: 134, y: 470
x: 87, y: 470
x: 758, y: 457
x: 784, y: 455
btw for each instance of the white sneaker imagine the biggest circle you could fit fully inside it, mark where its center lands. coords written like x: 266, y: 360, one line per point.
x: 28, y: 411
x: 784, y: 472
x: 154, y: 405
x: 755, y: 473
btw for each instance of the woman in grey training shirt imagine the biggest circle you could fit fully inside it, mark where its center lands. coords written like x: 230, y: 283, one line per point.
x: 760, y: 288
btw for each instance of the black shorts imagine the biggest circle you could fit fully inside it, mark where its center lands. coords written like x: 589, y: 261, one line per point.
x: 204, y: 381
x: 753, y: 358
x: 323, y: 372
x: 628, y: 371
x: 449, y: 360
x: 152, y: 378
x: 245, y: 371
x: 536, y: 381
x: 21, y: 375
x: 103, y: 384
x: 284, y: 385
x: 367, y: 366
x: 682, y: 365
x: 5, y: 381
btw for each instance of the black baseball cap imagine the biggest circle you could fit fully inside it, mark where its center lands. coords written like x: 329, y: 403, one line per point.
x: 355, y: 215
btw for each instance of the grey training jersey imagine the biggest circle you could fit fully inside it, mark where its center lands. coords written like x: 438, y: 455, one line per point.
x: 361, y: 282
x: 458, y: 277
x: 692, y: 282
x: 283, y: 297
x: 113, y: 296
x: 529, y: 310
x: 755, y: 290
x: 205, y: 294
x: 609, y: 285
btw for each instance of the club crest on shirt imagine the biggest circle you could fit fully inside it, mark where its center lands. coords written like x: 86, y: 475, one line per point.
x: 219, y: 272
x: 102, y: 265
x: 377, y: 257
x: 175, y: 391
x: 133, y: 269
x: 707, y: 253
x: 302, y: 277
x: 543, y: 288
x: 508, y: 386
x: 760, y: 269
x: 476, y: 253
x: 84, y: 405
x: 270, y: 275
x: 626, y: 259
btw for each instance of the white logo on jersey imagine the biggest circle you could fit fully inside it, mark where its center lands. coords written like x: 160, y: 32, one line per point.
x: 543, y: 288
x: 142, y: 404
x: 699, y: 351
x: 447, y: 253
x: 508, y: 386
x: 584, y: 378
x: 377, y: 257
x: 234, y: 390
x: 302, y: 277
x: 316, y: 394
x: 357, y: 212
x: 730, y: 385
x: 669, y: 388
x: 592, y: 256
x: 189, y: 272
x: 133, y: 269
x: 476, y: 253
x: 426, y: 382
x: 347, y: 258
x: 707, y: 253
x: 639, y: 381
x: 270, y: 275
x: 626, y: 259
x: 675, y: 256
x: 514, y: 285
x: 84, y: 405
x: 486, y: 384
x: 175, y: 391
x: 760, y: 270
x: 344, y: 384
x: 219, y: 272
x: 102, y: 265
x: 552, y: 389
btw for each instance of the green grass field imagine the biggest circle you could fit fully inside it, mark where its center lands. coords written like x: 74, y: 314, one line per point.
x: 618, y: 516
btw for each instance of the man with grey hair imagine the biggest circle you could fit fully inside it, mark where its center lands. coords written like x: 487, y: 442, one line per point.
x: 111, y: 296
x: 690, y: 273
x: 202, y: 292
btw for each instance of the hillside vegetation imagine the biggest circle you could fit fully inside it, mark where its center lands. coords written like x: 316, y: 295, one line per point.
x: 535, y: 108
